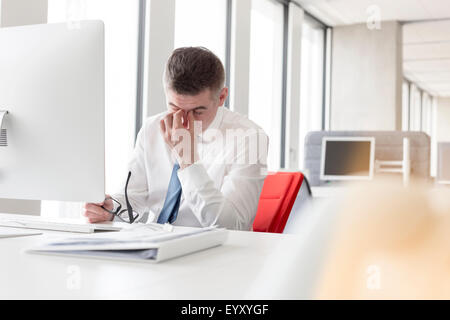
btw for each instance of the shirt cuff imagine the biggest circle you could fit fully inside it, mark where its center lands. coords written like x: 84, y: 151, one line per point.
x: 193, y: 178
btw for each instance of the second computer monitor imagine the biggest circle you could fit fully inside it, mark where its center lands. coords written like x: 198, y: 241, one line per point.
x: 347, y: 158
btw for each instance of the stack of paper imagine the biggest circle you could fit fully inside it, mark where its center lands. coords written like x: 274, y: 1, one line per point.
x: 141, y: 243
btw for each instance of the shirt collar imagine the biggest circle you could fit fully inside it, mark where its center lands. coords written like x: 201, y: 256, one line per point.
x: 217, y: 120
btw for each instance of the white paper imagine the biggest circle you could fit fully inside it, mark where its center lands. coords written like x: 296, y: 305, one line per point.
x: 129, y: 239
x: 135, y: 244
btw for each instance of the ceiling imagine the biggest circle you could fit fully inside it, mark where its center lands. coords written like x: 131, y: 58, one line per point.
x: 426, y: 33
x: 426, y: 55
x: 342, y: 12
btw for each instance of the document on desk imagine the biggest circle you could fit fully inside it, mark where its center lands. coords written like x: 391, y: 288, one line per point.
x: 142, y: 243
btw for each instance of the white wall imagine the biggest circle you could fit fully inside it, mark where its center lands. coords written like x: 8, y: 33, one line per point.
x: 16, y: 13
x: 441, y: 128
x: 23, y: 12
x: 443, y: 120
x: 366, y: 83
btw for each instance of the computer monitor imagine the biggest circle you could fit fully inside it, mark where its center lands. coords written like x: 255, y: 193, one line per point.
x: 347, y: 158
x: 52, y: 85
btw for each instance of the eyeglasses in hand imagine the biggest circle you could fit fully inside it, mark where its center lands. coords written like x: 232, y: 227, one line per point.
x: 127, y: 215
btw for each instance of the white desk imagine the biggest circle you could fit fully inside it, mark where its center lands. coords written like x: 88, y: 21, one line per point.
x: 230, y: 271
x: 327, y: 192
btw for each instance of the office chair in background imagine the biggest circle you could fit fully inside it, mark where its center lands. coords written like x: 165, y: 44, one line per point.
x: 278, y: 196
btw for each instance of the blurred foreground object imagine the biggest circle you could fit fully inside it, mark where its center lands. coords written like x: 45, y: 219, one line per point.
x: 390, y: 242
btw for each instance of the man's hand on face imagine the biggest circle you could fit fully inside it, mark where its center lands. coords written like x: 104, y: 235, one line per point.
x: 178, y: 131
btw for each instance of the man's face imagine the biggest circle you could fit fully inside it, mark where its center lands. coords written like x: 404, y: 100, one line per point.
x: 203, y: 105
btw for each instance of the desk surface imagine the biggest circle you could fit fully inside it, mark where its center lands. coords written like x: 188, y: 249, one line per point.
x: 230, y: 271
x: 327, y: 191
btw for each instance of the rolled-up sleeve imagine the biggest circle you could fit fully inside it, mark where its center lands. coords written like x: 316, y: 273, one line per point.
x: 234, y: 204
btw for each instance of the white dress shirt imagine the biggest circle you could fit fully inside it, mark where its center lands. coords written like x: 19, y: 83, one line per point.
x: 221, y: 188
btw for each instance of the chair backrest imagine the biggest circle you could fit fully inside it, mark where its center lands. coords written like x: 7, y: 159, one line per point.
x: 278, y: 195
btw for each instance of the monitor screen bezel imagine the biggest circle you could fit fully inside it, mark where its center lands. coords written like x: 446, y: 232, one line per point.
x: 323, y: 176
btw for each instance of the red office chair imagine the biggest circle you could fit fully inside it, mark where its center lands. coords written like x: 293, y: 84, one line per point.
x: 278, y: 195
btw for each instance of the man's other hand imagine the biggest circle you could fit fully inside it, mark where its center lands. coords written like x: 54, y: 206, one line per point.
x: 95, y: 213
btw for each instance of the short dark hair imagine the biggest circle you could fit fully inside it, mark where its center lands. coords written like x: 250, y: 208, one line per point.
x: 191, y: 70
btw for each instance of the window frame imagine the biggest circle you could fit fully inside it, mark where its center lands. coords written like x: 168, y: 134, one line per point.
x: 422, y: 93
x: 408, y: 83
x: 325, y: 75
x: 140, y: 67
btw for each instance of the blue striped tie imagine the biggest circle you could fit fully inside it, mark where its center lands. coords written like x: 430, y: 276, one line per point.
x: 169, y: 211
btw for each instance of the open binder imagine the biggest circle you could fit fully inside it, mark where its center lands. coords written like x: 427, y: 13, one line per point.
x: 137, y: 244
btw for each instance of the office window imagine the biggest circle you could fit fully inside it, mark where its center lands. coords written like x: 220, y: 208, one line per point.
x: 433, y: 166
x: 415, y: 108
x: 266, y: 72
x: 405, y: 106
x: 201, y: 23
x: 121, y: 43
x: 426, y: 113
x: 312, y: 73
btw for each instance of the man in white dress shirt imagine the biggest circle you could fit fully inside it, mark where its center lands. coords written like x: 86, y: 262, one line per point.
x: 198, y: 164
